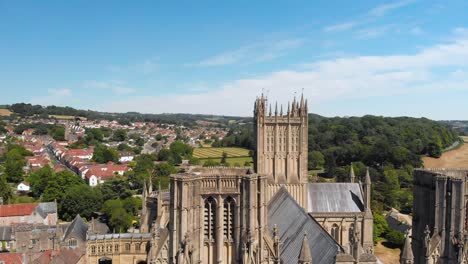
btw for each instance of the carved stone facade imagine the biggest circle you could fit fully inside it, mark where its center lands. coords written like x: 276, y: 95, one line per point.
x: 282, y: 147
x: 440, y: 216
x: 118, y: 248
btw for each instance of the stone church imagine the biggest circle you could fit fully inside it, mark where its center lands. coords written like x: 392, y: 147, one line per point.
x: 269, y: 214
x: 440, y: 221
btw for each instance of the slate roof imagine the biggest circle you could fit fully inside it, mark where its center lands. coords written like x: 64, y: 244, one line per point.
x: 293, y: 222
x: 335, y: 198
x: 78, y: 228
x: 43, y: 209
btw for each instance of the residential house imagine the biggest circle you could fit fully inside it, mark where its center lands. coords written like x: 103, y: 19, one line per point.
x: 98, y: 174
x: 32, y: 213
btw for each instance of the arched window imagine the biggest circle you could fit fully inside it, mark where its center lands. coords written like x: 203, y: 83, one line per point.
x: 127, y: 247
x: 229, y: 207
x: 210, y: 218
x: 116, y: 247
x: 335, y: 232
x: 351, y: 233
x: 137, y: 247
x: 109, y: 248
x: 72, y: 242
x: 93, y: 250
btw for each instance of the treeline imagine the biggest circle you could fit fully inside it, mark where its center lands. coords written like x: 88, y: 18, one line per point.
x: 188, y: 120
x: 55, y: 131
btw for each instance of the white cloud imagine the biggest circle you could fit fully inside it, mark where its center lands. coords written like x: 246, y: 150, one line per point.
x: 53, y: 97
x: 381, y: 10
x: 340, y: 27
x: 117, y: 87
x: 253, y: 53
x: 146, y: 67
x: 323, y: 81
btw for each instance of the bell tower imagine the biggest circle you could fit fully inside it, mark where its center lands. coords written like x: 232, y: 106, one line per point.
x: 282, y: 146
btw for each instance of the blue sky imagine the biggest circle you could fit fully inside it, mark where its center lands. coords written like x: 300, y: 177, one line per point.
x: 392, y: 58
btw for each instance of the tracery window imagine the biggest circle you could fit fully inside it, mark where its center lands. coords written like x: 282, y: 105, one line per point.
x: 93, y: 250
x: 229, y: 207
x: 335, y: 232
x: 127, y: 247
x: 351, y: 233
x: 210, y: 218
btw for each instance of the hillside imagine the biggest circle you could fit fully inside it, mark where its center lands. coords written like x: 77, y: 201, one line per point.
x: 28, y: 110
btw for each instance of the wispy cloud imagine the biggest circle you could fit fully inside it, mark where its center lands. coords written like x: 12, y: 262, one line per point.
x: 373, y: 32
x: 116, y: 87
x: 253, y: 53
x: 146, y: 67
x: 370, y: 16
x: 381, y: 10
x: 53, y: 97
x: 341, y: 27
x: 324, y: 81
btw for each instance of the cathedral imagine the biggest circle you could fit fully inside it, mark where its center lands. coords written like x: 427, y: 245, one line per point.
x: 440, y: 216
x: 266, y: 214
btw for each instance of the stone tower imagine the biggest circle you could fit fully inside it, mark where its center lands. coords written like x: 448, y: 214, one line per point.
x: 282, y: 147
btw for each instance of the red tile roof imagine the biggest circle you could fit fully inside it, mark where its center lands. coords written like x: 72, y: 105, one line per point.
x: 17, y: 209
x: 11, y: 258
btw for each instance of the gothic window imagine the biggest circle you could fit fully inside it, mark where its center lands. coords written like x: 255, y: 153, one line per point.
x: 137, y: 247
x: 210, y: 218
x: 351, y: 232
x: 109, y: 248
x: 116, y: 247
x: 335, y: 232
x: 93, y: 250
x: 72, y: 243
x: 229, y: 207
x: 127, y: 247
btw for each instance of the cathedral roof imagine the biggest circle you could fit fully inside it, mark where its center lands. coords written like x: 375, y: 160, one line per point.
x: 293, y: 223
x: 335, y: 198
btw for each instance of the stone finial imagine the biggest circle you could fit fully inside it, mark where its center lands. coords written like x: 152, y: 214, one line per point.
x: 352, y: 177
x: 305, y: 257
x: 368, y: 179
x: 407, y: 251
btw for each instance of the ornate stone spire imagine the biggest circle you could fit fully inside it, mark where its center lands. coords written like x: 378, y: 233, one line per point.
x: 276, y: 109
x: 407, y: 252
x: 368, y: 189
x: 150, y: 187
x: 305, y: 257
x: 281, y: 110
x: 352, y: 177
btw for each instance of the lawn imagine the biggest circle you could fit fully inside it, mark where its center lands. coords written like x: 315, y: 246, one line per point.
x: 205, y: 153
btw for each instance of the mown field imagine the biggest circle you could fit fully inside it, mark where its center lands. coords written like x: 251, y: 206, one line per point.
x: 457, y: 158
x: 5, y: 112
x: 235, y: 156
x: 204, y: 153
x: 66, y: 117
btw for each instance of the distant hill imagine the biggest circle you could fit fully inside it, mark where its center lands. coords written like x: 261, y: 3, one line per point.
x: 23, y: 109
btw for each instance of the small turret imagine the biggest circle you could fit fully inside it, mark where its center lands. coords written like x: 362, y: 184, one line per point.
x: 352, y: 177
x: 276, y: 109
x: 368, y: 189
x: 305, y: 257
x: 407, y: 251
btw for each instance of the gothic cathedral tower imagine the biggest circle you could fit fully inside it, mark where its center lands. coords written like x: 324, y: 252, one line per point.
x: 282, y: 146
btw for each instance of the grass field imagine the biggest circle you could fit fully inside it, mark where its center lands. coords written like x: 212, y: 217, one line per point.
x: 5, y: 112
x: 205, y: 153
x: 457, y: 158
x: 387, y: 255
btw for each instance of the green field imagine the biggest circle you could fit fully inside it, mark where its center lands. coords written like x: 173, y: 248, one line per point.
x: 206, y: 153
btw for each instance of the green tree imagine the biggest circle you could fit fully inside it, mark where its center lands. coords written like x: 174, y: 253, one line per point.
x: 103, y: 154
x: 119, y: 135
x: 80, y: 199
x: 316, y: 160
x: 5, y: 189
x: 115, y: 188
x: 14, y: 164
x: 158, y: 137
x: 380, y: 226
x: 39, y: 180
x: 224, y: 158
x: 120, y: 220
x: 132, y: 205
x: 395, y: 237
